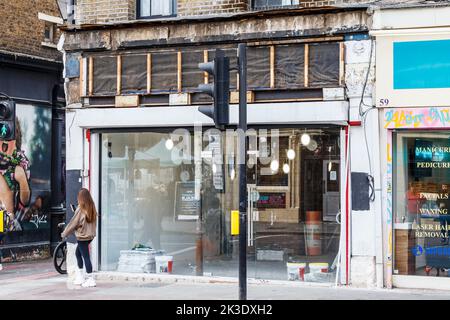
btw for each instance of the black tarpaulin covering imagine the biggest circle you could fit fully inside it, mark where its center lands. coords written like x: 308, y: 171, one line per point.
x: 105, y: 75
x: 258, y: 67
x: 232, y: 55
x: 164, y: 71
x: 290, y: 66
x: 324, y: 64
x: 192, y: 76
x: 134, y: 73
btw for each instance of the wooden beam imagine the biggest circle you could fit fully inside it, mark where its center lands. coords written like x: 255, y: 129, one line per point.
x: 149, y: 72
x: 91, y: 76
x: 179, y: 73
x: 205, y: 74
x: 272, y: 67
x: 341, y: 64
x: 81, y: 79
x: 309, y: 40
x: 119, y: 74
x: 306, y: 65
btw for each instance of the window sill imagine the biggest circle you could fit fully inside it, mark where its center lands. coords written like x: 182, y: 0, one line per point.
x: 49, y: 45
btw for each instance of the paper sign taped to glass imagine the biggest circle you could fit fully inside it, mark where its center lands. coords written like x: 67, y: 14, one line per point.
x: 187, y: 208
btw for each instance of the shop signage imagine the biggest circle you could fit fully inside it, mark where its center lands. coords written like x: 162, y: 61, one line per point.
x: 431, y: 117
x: 186, y: 207
x: 431, y: 251
x: 431, y: 230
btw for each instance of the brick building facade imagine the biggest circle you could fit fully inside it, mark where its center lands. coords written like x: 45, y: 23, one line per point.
x: 22, y: 30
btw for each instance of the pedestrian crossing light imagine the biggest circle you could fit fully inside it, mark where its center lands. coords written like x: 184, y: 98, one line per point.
x: 219, y: 90
x: 7, y: 120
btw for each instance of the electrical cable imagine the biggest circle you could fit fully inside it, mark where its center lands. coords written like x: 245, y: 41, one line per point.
x: 363, y: 114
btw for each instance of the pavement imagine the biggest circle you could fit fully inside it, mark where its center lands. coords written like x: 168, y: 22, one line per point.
x: 39, y: 281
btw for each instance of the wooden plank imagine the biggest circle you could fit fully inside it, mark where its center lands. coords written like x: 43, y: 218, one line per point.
x: 341, y: 63
x: 306, y: 65
x: 272, y: 67
x: 127, y: 101
x: 119, y: 74
x: 179, y: 70
x: 149, y: 72
x: 283, y: 42
x: 81, y: 81
x: 91, y: 76
x: 205, y: 74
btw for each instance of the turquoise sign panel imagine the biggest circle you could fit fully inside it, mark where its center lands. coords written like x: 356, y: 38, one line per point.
x: 422, y: 64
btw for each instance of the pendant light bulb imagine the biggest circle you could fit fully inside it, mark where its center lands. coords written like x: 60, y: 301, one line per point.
x: 305, y: 139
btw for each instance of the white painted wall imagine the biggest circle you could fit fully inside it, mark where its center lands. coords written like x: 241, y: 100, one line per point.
x: 365, y: 226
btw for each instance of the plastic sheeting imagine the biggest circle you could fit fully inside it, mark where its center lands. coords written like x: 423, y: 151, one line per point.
x: 324, y: 64
x: 192, y: 76
x: 232, y: 54
x: 134, y: 73
x: 258, y: 67
x: 164, y: 71
x: 105, y: 75
x: 290, y: 66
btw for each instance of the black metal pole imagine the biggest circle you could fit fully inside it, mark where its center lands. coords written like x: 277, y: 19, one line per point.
x: 242, y: 55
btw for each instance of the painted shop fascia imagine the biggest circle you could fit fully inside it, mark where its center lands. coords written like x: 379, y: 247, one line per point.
x: 414, y: 117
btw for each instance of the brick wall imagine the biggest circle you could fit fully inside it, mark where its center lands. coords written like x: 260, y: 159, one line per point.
x: 22, y: 31
x: 104, y: 11
x: 209, y: 7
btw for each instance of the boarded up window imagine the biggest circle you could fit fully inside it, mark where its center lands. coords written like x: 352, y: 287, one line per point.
x: 324, y: 64
x: 134, y: 73
x: 290, y: 66
x: 164, y: 71
x: 105, y: 75
x: 258, y: 67
x: 232, y: 54
x: 192, y: 76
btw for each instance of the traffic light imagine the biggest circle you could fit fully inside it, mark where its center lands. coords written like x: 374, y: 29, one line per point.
x: 7, y: 120
x: 219, y: 90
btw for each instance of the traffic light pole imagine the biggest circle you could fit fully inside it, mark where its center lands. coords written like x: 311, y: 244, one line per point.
x: 242, y: 56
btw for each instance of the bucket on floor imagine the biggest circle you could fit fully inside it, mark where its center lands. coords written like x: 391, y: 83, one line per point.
x: 164, y: 264
x: 296, y: 271
x: 318, y: 267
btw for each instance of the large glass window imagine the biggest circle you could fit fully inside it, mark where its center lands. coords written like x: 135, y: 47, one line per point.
x: 422, y: 188
x: 176, y: 195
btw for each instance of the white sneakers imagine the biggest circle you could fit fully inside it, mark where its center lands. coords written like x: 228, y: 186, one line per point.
x: 79, y: 277
x: 1, y: 267
x: 85, y: 280
x: 90, y: 282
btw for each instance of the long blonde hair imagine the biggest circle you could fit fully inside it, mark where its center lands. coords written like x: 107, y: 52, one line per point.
x: 87, y: 205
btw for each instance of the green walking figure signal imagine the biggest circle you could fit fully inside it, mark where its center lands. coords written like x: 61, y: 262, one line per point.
x: 7, y: 119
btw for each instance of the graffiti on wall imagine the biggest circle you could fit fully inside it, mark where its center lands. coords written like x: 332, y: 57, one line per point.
x: 25, y: 168
x: 389, y: 210
x: 432, y: 117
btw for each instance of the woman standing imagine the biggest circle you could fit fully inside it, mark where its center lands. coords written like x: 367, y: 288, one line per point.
x: 84, y: 224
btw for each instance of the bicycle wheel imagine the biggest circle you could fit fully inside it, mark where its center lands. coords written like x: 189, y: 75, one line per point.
x: 59, y: 258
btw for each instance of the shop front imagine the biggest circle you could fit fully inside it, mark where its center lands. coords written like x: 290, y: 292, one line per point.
x: 418, y: 188
x: 175, y: 191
